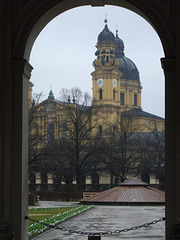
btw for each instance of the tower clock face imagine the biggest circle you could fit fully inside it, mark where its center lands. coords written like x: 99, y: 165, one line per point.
x: 114, y: 82
x: 100, y: 82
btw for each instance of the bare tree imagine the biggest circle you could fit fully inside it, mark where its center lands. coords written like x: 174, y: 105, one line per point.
x: 75, y: 95
x: 36, y: 154
x: 58, y: 159
x: 122, y: 149
x: 79, y: 123
x: 153, y: 153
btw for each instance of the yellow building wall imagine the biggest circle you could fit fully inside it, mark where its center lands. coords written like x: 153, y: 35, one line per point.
x: 143, y: 124
x: 129, y: 88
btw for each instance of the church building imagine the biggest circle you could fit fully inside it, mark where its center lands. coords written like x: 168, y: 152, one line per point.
x: 116, y: 83
x: 116, y: 87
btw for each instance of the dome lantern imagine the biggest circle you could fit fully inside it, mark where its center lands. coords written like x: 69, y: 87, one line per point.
x: 51, y: 95
x: 106, y: 36
x: 120, y: 46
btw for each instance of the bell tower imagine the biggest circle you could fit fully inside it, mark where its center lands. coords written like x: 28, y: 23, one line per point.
x: 106, y: 76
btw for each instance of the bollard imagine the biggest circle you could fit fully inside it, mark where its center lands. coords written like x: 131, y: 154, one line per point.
x: 94, y: 237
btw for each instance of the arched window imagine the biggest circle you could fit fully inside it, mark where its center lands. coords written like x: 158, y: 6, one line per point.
x: 114, y: 94
x: 100, y: 93
x: 135, y: 99
x: 122, y: 98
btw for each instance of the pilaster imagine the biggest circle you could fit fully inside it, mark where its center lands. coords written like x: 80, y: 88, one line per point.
x: 172, y: 166
x: 21, y: 72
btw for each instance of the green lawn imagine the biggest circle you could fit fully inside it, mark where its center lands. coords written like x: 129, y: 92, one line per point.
x: 51, y: 216
x: 45, y: 213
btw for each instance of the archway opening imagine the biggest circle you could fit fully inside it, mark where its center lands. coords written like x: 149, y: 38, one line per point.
x: 61, y: 35
x: 136, y: 46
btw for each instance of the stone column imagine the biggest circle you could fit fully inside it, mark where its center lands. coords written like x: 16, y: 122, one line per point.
x: 172, y: 136
x: 14, y: 149
x: 21, y: 72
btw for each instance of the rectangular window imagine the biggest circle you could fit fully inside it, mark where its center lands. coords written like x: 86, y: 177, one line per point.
x: 100, y: 130
x: 36, y: 130
x: 135, y: 99
x: 100, y: 93
x: 122, y: 98
x: 114, y: 94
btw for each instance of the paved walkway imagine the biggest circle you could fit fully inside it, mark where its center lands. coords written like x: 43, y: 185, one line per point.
x: 110, y: 218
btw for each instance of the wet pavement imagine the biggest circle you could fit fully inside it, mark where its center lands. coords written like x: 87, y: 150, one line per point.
x: 110, y: 218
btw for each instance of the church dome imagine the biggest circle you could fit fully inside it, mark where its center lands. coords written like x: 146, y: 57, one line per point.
x: 127, y: 67
x: 106, y: 36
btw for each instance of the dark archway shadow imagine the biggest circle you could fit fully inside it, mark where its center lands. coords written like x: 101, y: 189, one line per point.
x: 33, y: 18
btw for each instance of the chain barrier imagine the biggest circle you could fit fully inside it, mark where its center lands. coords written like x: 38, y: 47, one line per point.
x: 97, y: 233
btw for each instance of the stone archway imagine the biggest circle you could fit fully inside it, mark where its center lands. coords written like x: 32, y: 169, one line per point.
x: 44, y: 12
x: 29, y: 19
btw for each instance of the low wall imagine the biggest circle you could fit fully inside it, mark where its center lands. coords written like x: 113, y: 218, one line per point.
x: 70, y: 192
x: 58, y: 196
x: 70, y: 187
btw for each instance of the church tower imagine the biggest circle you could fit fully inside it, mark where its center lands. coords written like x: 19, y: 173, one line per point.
x: 106, y: 76
x: 130, y: 95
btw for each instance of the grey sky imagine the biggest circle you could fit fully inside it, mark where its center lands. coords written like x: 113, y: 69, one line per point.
x: 63, y: 53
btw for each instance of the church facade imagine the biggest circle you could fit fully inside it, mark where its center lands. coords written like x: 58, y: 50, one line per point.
x: 116, y: 89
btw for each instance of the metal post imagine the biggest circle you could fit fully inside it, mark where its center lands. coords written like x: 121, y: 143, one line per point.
x: 94, y: 237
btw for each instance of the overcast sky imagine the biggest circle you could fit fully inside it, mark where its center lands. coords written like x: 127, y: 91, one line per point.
x: 63, y: 53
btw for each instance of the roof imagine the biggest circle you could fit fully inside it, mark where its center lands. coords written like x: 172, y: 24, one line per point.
x: 132, y: 192
x: 55, y: 101
x: 136, y: 112
x: 106, y: 36
x: 128, y: 68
